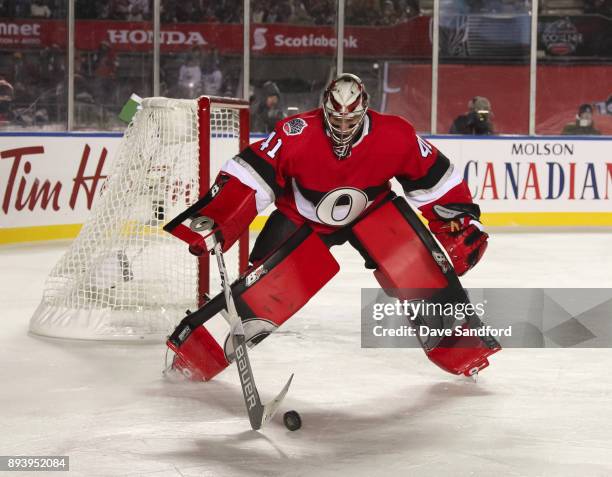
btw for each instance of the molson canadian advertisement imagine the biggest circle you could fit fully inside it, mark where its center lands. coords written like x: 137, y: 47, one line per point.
x: 527, y: 181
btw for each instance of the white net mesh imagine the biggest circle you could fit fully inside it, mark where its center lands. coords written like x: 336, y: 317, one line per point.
x: 124, y: 277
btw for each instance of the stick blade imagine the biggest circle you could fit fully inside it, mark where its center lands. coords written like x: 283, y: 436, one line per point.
x: 271, y: 407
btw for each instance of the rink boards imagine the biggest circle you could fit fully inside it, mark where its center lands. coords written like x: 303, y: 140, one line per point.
x: 49, y: 181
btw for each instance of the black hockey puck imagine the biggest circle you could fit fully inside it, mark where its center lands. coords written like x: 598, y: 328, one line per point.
x: 292, y: 420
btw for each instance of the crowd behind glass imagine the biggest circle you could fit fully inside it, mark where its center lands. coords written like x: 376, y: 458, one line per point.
x: 33, y: 80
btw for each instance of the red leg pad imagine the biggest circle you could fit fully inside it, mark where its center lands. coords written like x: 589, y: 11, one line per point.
x: 403, y: 260
x: 200, y: 357
x: 412, y: 265
x: 462, y: 354
x: 289, y: 285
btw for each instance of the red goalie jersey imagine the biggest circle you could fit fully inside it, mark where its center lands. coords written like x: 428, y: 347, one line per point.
x: 296, y: 169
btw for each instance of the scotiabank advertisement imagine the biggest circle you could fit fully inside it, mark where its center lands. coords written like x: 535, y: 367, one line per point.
x: 55, y: 180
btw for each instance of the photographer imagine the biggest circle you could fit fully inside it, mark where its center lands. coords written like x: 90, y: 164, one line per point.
x: 477, y: 120
x: 583, y: 125
x: 266, y: 112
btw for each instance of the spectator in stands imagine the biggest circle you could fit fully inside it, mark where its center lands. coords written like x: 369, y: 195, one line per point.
x: 40, y: 9
x: 105, y: 65
x: 82, y: 86
x: 18, y: 66
x: 583, y: 125
x: 138, y: 10
x: 22, y: 75
x: 188, y: 11
x: 267, y: 112
x: 6, y: 10
x: 323, y: 12
x: 228, y: 11
x: 279, y: 12
x: 212, y: 77
x: 299, y: 13
x: 266, y: 11
x: 51, y: 68
x: 208, y: 14
x: 59, y: 9
x: 477, y: 120
x: 168, y: 11
x: 119, y: 9
x: 100, y: 10
x: 7, y: 94
x: 86, y: 9
x: 22, y: 8
x: 259, y: 8
x: 388, y: 14
x: 363, y: 12
x: 190, y: 77
x: 407, y: 9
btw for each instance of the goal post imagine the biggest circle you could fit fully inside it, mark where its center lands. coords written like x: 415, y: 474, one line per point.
x: 123, y: 277
x: 214, y: 127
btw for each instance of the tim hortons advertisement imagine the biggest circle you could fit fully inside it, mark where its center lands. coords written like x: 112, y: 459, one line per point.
x: 54, y: 180
x: 51, y: 180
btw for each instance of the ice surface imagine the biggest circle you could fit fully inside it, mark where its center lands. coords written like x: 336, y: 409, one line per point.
x: 365, y: 412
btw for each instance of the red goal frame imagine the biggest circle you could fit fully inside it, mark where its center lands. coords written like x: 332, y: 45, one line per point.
x: 205, y: 106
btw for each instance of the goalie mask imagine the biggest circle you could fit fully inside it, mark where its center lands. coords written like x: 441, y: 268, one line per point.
x: 345, y: 103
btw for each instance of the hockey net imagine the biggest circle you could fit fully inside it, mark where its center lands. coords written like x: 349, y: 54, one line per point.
x: 123, y: 277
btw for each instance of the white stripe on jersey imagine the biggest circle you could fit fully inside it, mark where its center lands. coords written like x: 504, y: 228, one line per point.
x: 242, y: 171
x: 450, y: 179
x: 304, y: 206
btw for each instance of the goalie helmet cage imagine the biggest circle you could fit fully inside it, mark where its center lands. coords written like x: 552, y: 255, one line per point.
x: 123, y: 277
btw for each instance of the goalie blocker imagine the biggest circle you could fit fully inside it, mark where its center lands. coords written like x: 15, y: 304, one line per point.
x: 210, y: 216
x: 417, y: 268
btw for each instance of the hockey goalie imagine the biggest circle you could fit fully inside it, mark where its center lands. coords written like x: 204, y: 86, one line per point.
x: 327, y: 171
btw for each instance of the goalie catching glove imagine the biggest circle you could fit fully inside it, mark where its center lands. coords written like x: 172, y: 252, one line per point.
x: 457, y: 227
x: 224, y: 213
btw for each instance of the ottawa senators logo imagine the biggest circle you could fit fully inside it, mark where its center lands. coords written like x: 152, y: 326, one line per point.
x: 294, y: 126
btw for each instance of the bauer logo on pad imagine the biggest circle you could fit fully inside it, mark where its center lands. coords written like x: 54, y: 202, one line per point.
x: 441, y: 261
x: 255, y: 275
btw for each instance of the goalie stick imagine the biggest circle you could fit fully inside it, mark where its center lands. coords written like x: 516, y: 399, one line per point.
x: 258, y: 412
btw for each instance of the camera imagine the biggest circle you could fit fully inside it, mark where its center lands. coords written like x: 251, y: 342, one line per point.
x: 479, y: 122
